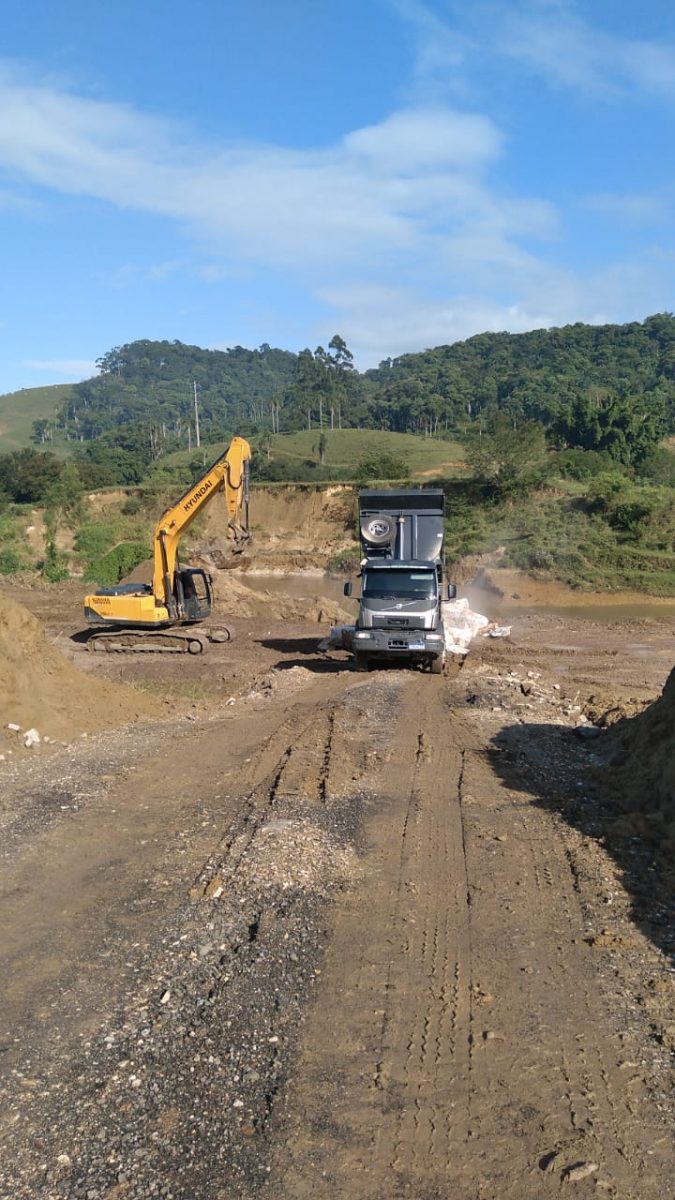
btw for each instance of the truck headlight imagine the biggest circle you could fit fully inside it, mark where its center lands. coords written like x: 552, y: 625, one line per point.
x: 360, y: 636
x: 434, y: 637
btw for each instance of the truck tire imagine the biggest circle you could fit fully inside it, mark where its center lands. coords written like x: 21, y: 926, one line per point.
x: 436, y: 665
x: 378, y: 529
x: 361, y: 662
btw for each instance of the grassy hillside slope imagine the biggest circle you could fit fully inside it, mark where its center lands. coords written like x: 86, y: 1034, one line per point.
x: 19, y: 409
x: 346, y: 448
x: 426, y: 458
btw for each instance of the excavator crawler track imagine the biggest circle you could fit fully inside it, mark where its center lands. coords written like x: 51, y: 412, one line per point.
x: 141, y: 641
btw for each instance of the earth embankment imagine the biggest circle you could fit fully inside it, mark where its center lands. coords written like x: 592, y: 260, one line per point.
x: 40, y: 688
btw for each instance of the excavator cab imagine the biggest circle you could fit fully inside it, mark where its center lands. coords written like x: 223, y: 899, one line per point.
x: 194, y: 593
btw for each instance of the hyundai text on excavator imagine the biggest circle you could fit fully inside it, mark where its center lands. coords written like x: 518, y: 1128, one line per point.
x: 160, y: 616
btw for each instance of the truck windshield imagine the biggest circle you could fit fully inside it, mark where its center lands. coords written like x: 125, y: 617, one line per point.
x: 416, y: 585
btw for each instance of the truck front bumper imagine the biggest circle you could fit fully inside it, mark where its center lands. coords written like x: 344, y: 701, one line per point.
x: 416, y: 644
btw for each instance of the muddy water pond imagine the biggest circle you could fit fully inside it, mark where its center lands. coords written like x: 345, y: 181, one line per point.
x: 497, y: 608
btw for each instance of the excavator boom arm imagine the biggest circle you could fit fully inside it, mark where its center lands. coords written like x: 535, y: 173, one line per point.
x: 228, y: 473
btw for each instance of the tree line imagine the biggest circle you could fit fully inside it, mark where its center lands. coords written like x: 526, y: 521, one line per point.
x: 609, y: 389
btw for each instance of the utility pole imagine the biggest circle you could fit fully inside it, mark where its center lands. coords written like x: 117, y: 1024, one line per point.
x: 194, y: 385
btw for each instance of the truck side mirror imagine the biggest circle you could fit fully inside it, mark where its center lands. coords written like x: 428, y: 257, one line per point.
x: 452, y: 591
x: 348, y: 588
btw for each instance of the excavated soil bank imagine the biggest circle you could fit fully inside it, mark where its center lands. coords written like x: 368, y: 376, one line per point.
x: 40, y: 689
x: 644, y: 771
x: 294, y: 528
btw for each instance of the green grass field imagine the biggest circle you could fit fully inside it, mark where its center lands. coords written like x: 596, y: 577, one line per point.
x: 345, y: 448
x: 18, y: 410
x: 426, y: 458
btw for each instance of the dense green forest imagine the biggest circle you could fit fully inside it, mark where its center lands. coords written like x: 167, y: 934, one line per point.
x: 608, y: 388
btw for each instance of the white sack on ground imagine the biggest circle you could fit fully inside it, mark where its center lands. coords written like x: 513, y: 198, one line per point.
x: 340, y: 638
x: 460, y: 625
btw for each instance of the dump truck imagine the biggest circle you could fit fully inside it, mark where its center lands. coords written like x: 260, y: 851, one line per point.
x: 402, y: 579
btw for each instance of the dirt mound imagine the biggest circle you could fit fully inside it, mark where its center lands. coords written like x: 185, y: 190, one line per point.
x: 140, y: 574
x: 234, y: 596
x: 643, y: 771
x: 40, y: 689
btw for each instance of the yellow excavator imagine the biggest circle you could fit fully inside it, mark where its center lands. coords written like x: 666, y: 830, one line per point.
x: 160, y: 616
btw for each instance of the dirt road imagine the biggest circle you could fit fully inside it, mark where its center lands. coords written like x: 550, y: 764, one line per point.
x: 344, y: 937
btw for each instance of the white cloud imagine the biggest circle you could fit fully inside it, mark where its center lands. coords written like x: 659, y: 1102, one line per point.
x: 635, y: 210
x: 72, y: 369
x: 440, y: 50
x: 431, y: 139
x: 554, y: 42
x: 382, y: 190
x: 378, y: 321
x: 547, y: 36
x: 397, y: 227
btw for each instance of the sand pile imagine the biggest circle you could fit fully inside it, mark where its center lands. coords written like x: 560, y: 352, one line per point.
x: 643, y: 771
x: 40, y: 689
x: 233, y: 596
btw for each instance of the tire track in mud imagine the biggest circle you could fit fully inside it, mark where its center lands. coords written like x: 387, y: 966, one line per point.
x: 458, y: 1047
x: 381, y: 1105
x: 552, y: 1073
x: 176, y: 1089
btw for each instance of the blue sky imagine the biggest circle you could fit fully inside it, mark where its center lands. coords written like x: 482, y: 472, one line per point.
x: 403, y: 172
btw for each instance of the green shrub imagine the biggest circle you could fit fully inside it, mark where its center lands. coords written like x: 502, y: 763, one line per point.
x: 659, y: 466
x: 346, y: 562
x: 381, y: 465
x: 113, y: 566
x: 94, y: 538
x: 581, y: 464
x: 607, y: 490
x: 629, y: 516
x: 10, y: 561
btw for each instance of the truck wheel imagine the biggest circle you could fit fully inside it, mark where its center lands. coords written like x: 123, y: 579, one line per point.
x: 378, y: 530
x: 436, y: 665
x: 361, y: 662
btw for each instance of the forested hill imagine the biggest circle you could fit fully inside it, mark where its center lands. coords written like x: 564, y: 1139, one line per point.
x: 152, y: 383
x: 538, y: 375
x: 608, y: 387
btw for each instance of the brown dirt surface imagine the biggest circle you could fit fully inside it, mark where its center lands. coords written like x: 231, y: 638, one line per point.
x: 330, y: 935
x: 644, y: 771
x: 41, y: 689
